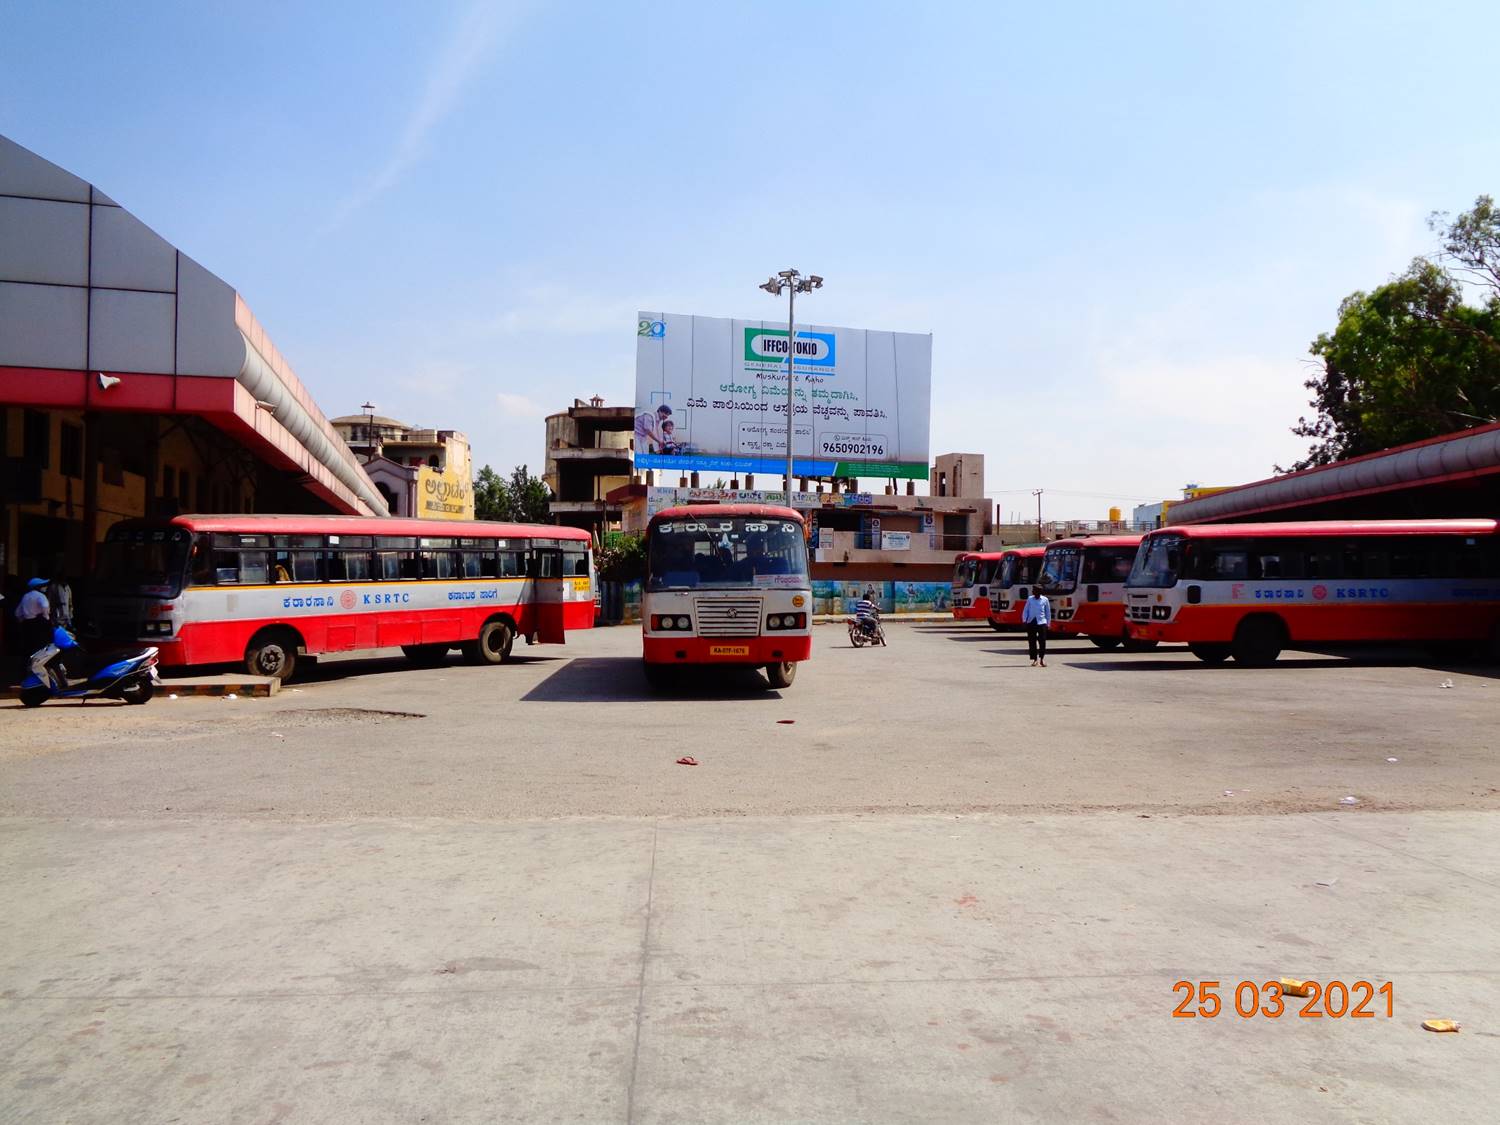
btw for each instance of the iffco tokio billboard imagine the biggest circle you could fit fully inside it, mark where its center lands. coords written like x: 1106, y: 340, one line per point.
x: 710, y: 394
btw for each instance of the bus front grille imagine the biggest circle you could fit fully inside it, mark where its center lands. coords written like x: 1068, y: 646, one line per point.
x: 728, y: 617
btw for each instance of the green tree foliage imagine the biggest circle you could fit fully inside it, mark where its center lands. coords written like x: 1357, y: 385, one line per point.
x: 622, y: 558
x: 491, y: 496
x: 1413, y: 358
x: 521, y: 499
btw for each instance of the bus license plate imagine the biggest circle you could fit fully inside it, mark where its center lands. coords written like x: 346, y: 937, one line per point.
x: 728, y: 650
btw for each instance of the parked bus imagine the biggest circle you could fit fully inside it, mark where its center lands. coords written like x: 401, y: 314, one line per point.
x: 1250, y: 590
x: 972, y: 575
x: 1085, y: 579
x: 266, y: 590
x: 1012, y: 585
x: 726, y: 584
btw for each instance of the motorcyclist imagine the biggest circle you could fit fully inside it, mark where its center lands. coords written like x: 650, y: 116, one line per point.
x: 866, y: 615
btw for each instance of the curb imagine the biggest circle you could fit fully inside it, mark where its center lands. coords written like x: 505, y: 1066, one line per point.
x: 261, y: 687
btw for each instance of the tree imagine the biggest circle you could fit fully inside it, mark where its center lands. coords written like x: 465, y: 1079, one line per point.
x: 529, y: 497
x: 522, y: 499
x: 492, y: 499
x: 1412, y: 359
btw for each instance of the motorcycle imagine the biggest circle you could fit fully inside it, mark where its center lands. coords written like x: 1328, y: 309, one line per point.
x: 59, y: 672
x: 865, y: 627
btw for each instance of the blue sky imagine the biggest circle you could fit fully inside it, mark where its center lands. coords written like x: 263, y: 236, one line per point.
x: 1122, y: 224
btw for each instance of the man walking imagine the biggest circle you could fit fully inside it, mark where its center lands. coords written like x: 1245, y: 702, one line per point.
x: 1036, y: 615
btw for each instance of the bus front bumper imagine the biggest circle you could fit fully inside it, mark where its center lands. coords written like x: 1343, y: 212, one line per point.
x: 727, y: 650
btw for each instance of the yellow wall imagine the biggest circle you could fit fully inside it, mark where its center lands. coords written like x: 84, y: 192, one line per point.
x: 445, y: 494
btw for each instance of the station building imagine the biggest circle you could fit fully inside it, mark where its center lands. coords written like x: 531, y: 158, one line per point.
x: 133, y: 381
x: 1456, y: 475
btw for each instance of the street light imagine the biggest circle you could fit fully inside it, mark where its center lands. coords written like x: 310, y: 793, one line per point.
x: 791, y: 283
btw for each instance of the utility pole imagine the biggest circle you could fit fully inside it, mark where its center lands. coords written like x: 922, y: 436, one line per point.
x: 791, y: 282
x: 1037, y: 492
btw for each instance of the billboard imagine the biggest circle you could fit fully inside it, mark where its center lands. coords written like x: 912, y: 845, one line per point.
x: 710, y: 394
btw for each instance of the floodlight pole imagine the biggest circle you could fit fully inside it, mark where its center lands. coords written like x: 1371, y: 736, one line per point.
x: 791, y: 348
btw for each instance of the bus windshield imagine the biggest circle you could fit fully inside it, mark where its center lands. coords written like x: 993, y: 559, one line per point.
x: 147, y: 562
x: 1107, y: 564
x: 962, y: 572
x: 1017, y: 569
x: 1060, y: 569
x: 737, y: 551
x: 1158, y: 562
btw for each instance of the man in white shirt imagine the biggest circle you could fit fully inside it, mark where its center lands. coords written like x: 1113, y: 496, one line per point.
x: 34, y: 613
x: 1036, y: 615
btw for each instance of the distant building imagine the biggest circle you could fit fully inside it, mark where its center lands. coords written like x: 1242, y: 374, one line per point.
x: 1148, y: 517
x: 420, y: 473
x: 590, y: 454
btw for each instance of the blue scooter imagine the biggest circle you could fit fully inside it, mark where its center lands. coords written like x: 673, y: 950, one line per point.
x: 132, y: 679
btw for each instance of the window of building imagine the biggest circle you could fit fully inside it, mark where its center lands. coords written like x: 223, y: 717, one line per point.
x: 37, y: 439
x: 70, y: 451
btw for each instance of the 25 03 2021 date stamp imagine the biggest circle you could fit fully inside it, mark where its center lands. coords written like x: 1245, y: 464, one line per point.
x: 1272, y: 999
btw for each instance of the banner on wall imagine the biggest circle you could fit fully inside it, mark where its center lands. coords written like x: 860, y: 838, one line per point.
x: 711, y: 395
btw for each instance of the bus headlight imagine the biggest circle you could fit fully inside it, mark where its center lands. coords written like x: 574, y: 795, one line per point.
x: 773, y: 622
x: 683, y: 623
x: 786, y: 621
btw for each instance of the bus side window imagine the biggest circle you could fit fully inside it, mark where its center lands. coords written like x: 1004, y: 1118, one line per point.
x: 408, y: 565
x: 473, y: 564
x: 348, y: 566
x: 575, y: 564
x: 253, y: 569
x: 387, y: 566
x: 437, y: 564
x: 1230, y: 565
x: 227, y: 568
x: 304, y: 566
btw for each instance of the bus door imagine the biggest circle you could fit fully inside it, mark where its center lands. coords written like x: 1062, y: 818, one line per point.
x: 546, y: 570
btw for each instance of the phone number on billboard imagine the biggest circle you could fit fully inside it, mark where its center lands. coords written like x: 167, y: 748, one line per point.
x: 857, y: 448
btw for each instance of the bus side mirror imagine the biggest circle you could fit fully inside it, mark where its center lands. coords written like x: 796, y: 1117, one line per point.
x: 1194, y: 594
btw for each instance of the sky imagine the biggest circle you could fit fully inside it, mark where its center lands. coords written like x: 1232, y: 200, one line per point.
x: 1122, y: 224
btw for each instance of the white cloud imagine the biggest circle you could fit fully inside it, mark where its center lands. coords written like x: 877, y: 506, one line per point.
x: 517, y: 406
x: 469, y: 45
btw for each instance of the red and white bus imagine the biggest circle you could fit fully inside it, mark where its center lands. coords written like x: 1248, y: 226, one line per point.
x: 972, y: 575
x: 1085, y: 579
x: 726, y: 584
x: 1249, y: 590
x: 1018, y: 569
x: 264, y: 590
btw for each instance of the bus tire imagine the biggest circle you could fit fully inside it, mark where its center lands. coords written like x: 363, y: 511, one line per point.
x: 493, y: 644
x: 273, y: 652
x: 1210, y: 654
x: 995, y: 625
x: 781, y: 674
x: 34, y: 696
x: 1106, y: 643
x: 426, y: 656
x: 1258, y: 641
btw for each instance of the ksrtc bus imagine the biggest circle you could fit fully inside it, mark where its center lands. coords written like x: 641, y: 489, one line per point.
x: 1085, y: 580
x: 1249, y: 590
x: 264, y: 590
x: 973, y: 574
x: 1012, y: 585
x: 726, y: 584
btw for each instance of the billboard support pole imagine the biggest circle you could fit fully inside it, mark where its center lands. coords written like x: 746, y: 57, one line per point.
x: 793, y: 282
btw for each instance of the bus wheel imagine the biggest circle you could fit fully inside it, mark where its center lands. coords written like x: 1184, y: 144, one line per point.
x: 782, y: 674
x: 1257, y: 642
x: 995, y: 625
x: 1210, y: 654
x: 426, y: 656
x: 493, y: 646
x: 272, y: 652
x: 1106, y: 643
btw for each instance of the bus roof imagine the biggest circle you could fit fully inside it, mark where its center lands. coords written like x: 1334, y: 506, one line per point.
x: 1024, y: 552
x: 1100, y: 541
x: 698, y: 511
x: 1331, y: 527
x: 364, y: 525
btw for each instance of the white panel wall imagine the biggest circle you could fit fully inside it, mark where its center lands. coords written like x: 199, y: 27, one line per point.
x: 23, y: 172
x: 43, y: 241
x: 43, y: 326
x: 130, y: 331
x: 208, y: 343
x: 127, y: 254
